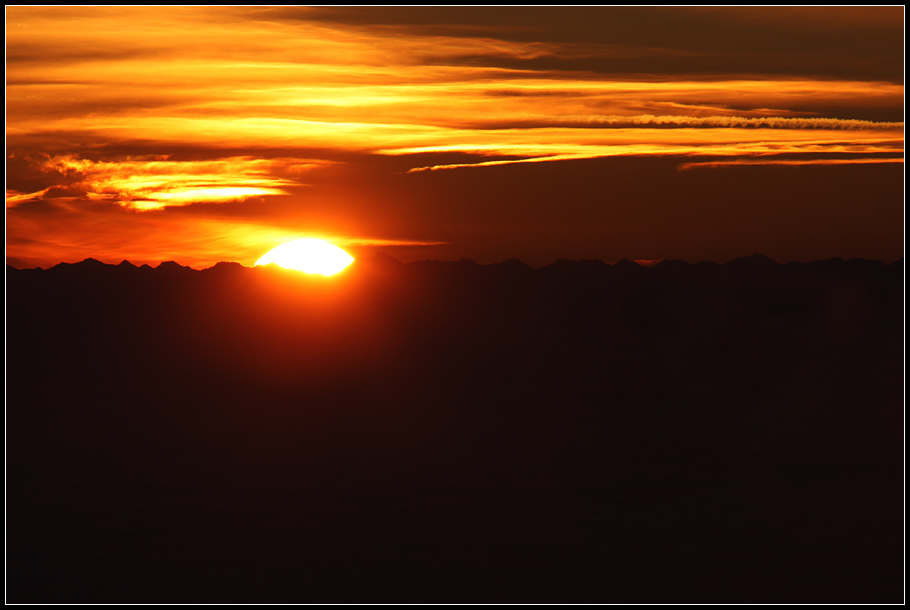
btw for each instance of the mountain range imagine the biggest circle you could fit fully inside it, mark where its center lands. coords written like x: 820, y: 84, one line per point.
x: 456, y: 432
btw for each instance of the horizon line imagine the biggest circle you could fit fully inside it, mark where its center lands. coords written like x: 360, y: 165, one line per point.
x: 642, y: 263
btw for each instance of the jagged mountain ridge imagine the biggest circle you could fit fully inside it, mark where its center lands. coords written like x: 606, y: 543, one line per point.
x: 457, y: 428
x: 755, y: 262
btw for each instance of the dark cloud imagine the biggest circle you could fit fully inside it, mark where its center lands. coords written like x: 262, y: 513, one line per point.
x: 841, y: 42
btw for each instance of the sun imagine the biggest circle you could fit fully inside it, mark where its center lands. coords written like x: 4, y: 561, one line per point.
x: 309, y: 256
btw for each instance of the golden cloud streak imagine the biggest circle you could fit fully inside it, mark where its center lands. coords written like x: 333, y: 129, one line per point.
x: 399, y: 139
x: 14, y: 198
x: 153, y: 185
x: 450, y: 104
x: 731, y: 143
x: 96, y: 59
x: 712, y: 164
x: 362, y: 90
x: 765, y: 122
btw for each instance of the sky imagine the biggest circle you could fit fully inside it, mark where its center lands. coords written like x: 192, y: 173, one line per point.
x: 208, y: 134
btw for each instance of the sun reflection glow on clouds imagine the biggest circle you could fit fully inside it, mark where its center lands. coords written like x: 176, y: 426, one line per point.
x: 229, y: 98
x: 155, y: 184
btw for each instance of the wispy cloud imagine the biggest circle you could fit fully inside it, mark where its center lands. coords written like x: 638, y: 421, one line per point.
x: 134, y: 109
x: 14, y: 198
x: 552, y: 145
x: 719, y: 122
x: 715, y: 164
x: 156, y: 184
x: 387, y: 88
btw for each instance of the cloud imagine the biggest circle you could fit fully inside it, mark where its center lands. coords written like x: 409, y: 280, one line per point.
x: 554, y: 145
x: 145, y: 113
x: 14, y: 198
x: 757, y: 40
x: 159, y: 183
x: 763, y: 122
x: 715, y: 164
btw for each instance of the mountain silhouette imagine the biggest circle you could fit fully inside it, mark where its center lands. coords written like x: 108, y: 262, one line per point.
x: 381, y: 258
x: 456, y: 432
x: 753, y: 263
x: 626, y: 264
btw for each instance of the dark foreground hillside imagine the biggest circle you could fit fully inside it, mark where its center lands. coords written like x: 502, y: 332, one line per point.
x: 450, y: 432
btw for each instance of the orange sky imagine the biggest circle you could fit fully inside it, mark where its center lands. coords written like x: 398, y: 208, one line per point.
x: 209, y: 134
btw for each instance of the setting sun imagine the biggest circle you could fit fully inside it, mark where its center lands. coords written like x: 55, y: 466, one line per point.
x: 309, y: 256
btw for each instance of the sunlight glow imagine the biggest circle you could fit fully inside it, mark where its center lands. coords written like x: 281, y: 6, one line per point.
x: 309, y: 256
x: 191, y: 134
x: 147, y: 185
